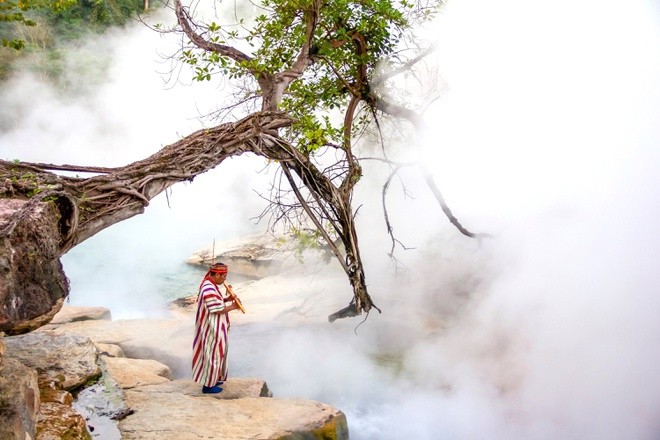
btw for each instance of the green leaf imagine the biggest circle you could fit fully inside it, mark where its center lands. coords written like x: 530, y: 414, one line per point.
x: 275, y: 38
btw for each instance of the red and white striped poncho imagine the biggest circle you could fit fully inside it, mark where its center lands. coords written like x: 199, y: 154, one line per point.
x: 209, y: 363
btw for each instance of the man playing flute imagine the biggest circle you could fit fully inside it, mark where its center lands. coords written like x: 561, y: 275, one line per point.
x: 209, y: 363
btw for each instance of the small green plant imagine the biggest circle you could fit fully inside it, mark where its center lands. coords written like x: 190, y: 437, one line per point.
x: 306, y: 239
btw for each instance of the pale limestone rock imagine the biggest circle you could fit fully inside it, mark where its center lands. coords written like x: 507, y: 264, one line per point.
x: 67, y: 360
x: 254, y: 256
x: 72, y: 314
x: 200, y: 415
x: 110, y: 350
x: 131, y: 373
x: 19, y: 400
x: 151, y: 331
x: 233, y: 388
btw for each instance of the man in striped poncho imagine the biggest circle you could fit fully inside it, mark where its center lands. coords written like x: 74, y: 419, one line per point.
x: 209, y: 363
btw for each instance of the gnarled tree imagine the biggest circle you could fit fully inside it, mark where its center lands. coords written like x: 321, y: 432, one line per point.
x: 309, y: 59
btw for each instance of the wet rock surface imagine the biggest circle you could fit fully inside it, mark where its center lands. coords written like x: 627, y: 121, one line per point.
x: 102, y: 405
x: 62, y: 363
x: 57, y: 421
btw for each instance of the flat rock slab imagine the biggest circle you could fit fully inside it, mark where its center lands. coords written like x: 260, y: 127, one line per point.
x: 233, y: 388
x: 118, y: 332
x: 179, y: 411
x: 73, y: 314
x: 131, y: 373
x: 254, y: 256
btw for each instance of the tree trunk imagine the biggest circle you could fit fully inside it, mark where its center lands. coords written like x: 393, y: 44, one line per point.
x: 43, y: 215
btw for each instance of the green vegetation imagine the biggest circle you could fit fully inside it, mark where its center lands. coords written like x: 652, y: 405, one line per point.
x: 33, y: 28
x: 18, y: 13
x: 352, y: 42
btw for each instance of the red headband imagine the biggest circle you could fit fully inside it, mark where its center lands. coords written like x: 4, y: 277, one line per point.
x: 216, y: 268
x: 219, y: 269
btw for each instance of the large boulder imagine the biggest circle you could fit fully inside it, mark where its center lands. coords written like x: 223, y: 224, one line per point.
x: 32, y: 282
x: 67, y: 360
x: 263, y: 255
x: 224, y: 416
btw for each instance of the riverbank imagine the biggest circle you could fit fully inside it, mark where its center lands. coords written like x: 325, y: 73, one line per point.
x: 139, y: 369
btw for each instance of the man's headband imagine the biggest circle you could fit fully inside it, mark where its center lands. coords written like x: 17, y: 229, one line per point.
x: 218, y: 268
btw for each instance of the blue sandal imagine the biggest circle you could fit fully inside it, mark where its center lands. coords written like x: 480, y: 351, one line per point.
x: 211, y: 390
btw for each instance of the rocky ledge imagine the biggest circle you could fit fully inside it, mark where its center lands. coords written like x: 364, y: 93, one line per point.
x: 242, y: 411
x: 83, y: 353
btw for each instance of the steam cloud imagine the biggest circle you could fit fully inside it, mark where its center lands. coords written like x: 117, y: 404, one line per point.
x: 546, y: 138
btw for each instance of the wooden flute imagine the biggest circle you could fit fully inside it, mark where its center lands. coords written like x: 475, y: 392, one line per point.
x: 231, y: 293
